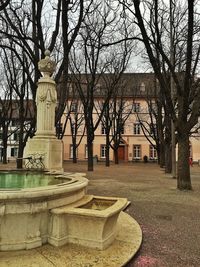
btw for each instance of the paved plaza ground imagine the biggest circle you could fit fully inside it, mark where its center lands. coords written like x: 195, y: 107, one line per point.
x: 169, y: 218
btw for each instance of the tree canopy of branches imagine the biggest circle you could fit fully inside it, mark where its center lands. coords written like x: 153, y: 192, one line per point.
x: 15, y: 96
x: 153, y: 20
x: 27, y: 29
x: 3, y: 4
x: 33, y: 27
x: 94, y: 58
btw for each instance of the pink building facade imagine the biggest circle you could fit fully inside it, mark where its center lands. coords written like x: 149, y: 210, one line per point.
x: 134, y: 146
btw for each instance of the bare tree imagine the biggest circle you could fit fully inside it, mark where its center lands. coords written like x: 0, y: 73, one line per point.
x: 5, y: 119
x: 3, y: 4
x: 21, y: 109
x: 121, y: 110
x: 94, y: 59
x: 152, y: 121
x: 37, y: 25
x: 115, y: 115
x: 155, y: 33
x: 6, y: 107
x: 75, y: 115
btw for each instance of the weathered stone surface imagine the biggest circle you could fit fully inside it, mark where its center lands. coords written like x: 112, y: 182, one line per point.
x: 45, y: 142
x: 25, y: 214
x: 95, y: 220
x: 124, y: 247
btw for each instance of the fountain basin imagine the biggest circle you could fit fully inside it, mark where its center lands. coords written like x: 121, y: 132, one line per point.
x: 25, y: 212
x: 90, y: 222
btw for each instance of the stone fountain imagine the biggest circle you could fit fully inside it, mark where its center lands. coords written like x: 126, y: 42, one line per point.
x: 61, y: 212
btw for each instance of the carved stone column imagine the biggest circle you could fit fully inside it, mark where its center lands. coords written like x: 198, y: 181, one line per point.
x: 45, y: 142
x: 46, y: 98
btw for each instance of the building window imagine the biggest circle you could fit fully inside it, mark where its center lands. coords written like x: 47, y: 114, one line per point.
x: 14, y: 151
x: 136, y: 107
x: 137, y: 151
x: 73, y: 106
x: 153, y: 128
x: 14, y: 123
x: 103, y: 151
x: 153, y: 107
x: 103, y: 129
x: 142, y: 87
x: 16, y: 137
x: 1, y: 153
x: 98, y: 88
x: 136, y: 128
x: 122, y: 129
x: 152, y: 152
x: 73, y: 129
x: 71, y: 152
x: 59, y: 128
x: 86, y: 151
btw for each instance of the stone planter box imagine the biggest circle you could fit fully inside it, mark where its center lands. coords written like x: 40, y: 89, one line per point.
x: 91, y: 224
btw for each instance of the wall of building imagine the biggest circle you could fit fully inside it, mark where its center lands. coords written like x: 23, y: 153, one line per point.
x: 130, y: 141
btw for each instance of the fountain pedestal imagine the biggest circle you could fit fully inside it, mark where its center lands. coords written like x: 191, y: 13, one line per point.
x: 45, y: 142
x: 51, y: 150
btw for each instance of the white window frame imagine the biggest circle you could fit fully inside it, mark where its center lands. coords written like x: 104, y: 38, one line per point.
x: 74, y: 107
x: 152, y: 152
x: 71, y: 152
x: 136, y: 107
x: 122, y: 129
x: 136, y: 128
x: 73, y: 129
x: 103, y: 151
x: 136, y: 151
x: 16, y: 136
x: 103, y: 129
x: 15, y: 150
x: 86, y: 151
x: 153, y: 128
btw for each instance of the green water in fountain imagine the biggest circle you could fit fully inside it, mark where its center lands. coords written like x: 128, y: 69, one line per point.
x: 19, y: 180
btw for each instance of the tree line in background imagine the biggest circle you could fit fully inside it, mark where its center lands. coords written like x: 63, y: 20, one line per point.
x: 97, y: 38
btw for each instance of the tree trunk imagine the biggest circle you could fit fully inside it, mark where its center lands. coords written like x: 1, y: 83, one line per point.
x: 5, y: 154
x: 158, y: 154
x: 90, y: 155
x: 20, y: 155
x: 168, y: 146
x: 168, y: 158
x: 74, y: 158
x: 162, y: 155
x: 107, y: 151
x: 116, y: 156
x: 183, y: 180
x: 5, y: 140
x: 160, y: 142
x: 74, y: 153
x: 21, y: 143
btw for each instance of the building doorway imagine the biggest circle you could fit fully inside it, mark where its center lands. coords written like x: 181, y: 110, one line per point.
x: 121, y: 152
